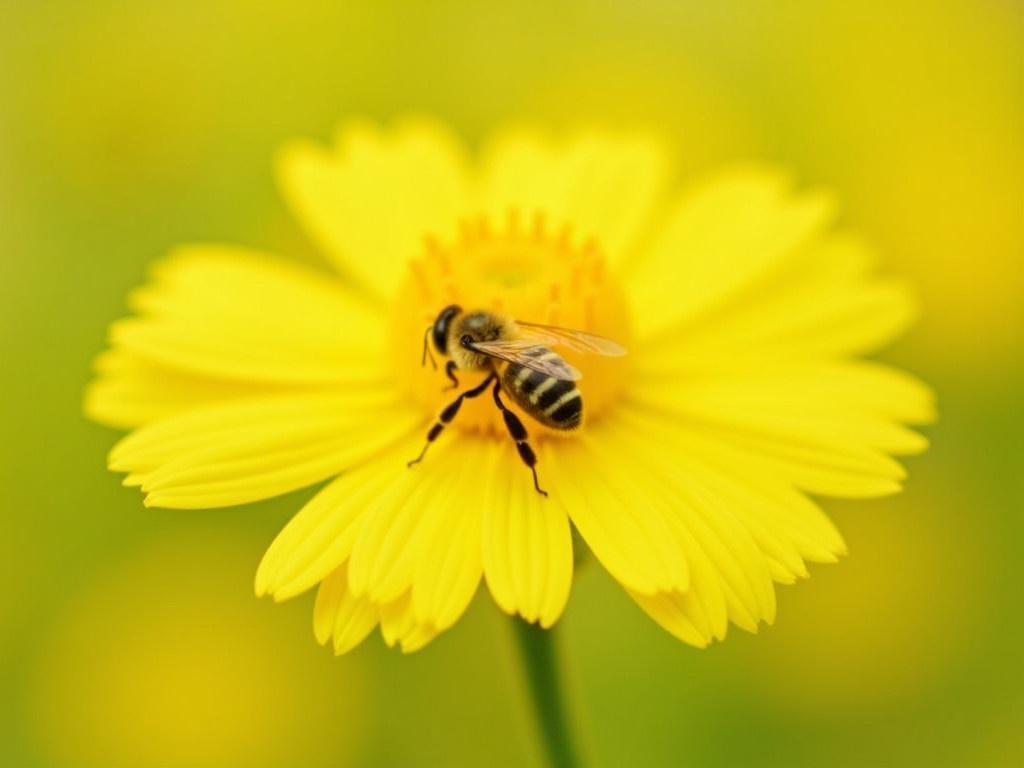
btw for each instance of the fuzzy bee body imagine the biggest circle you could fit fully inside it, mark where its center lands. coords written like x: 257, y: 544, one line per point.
x: 520, y: 362
x: 480, y: 327
x: 554, y: 402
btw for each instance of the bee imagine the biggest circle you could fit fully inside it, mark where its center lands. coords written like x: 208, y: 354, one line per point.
x: 518, y: 359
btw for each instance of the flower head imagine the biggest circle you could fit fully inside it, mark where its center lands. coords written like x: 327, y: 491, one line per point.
x: 244, y: 376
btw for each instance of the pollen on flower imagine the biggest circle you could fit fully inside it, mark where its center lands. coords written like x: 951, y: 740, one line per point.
x: 526, y: 269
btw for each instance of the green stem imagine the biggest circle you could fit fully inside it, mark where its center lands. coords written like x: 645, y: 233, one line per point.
x: 537, y: 648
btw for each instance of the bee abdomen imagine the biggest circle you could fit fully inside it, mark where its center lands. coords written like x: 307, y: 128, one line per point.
x: 553, y: 402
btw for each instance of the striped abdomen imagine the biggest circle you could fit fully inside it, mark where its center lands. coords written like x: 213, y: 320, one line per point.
x: 552, y: 402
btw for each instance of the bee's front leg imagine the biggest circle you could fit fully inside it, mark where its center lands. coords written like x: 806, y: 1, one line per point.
x: 449, y: 371
x: 449, y: 413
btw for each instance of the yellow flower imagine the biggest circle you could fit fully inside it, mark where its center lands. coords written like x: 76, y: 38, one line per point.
x: 245, y: 376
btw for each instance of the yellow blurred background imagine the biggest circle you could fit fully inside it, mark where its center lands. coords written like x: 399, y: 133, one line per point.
x: 130, y: 637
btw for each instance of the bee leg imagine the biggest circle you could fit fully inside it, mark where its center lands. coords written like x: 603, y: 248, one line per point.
x: 518, y: 433
x: 449, y: 371
x: 449, y: 413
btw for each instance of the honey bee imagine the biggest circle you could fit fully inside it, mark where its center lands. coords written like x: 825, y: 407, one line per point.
x: 518, y: 359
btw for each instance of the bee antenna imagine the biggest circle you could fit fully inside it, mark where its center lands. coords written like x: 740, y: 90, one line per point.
x: 426, y: 349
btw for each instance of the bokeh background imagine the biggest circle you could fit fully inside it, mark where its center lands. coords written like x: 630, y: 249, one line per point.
x: 130, y: 637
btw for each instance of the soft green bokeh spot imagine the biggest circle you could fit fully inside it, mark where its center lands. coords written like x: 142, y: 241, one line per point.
x: 130, y: 637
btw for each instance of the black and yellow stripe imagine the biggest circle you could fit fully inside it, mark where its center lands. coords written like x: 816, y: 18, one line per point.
x: 555, y: 403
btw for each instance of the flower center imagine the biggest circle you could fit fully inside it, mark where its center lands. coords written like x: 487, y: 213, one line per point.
x: 522, y: 270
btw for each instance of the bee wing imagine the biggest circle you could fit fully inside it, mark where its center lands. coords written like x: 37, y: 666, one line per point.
x: 529, y: 354
x: 579, y: 341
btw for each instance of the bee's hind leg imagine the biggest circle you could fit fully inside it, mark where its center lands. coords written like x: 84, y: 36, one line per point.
x: 449, y: 413
x: 518, y: 433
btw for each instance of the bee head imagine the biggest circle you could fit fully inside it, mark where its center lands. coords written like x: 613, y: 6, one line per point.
x: 439, y: 330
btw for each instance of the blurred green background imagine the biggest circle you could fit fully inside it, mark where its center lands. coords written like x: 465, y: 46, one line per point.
x: 130, y: 637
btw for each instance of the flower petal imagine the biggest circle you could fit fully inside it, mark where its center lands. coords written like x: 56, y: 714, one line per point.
x: 228, y: 313
x: 741, y: 502
x: 398, y: 624
x: 410, y: 537
x: 678, y: 613
x: 244, y: 451
x: 340, y: 616
x: 604, y: 186
x: 396, y: 527
x: 449, y: 563
x: 527, y: 543
x: 369, y: 200
x: 320, y: 537
x: 718, y: 240
x: 347, y: 620
x: 700, y: 529
x: 828, y: 428
x: 821, y: 302
x: 623, y: 519
x: 129, y: 391
x: 817, y: 405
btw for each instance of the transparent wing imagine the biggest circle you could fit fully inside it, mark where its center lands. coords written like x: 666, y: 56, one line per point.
x: 579, y: 341
x: 529, y: 354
